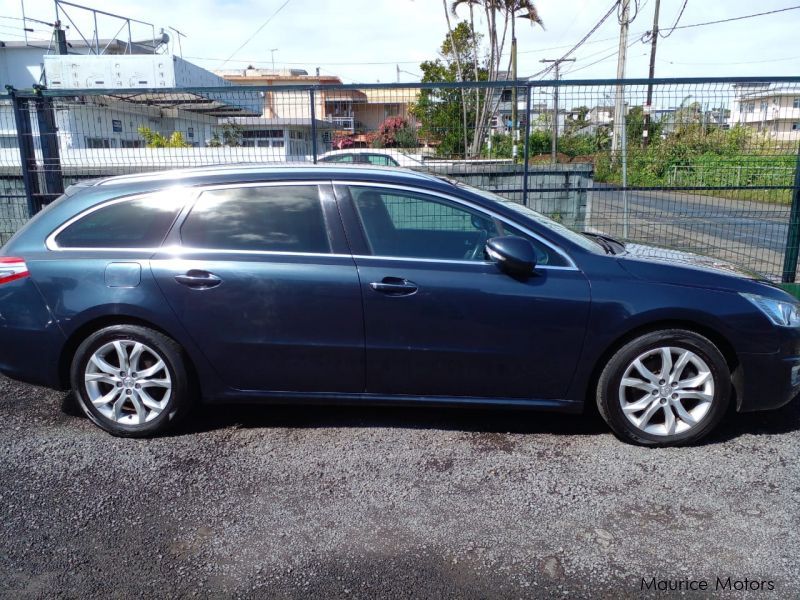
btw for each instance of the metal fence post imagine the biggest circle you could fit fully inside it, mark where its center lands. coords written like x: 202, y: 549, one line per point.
x: 51, y: 159
x: 793, y: 235
x: 313, y: 124
x: 527, y: 151
x: 27, y: 151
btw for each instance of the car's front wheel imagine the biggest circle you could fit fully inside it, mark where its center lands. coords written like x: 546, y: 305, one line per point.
x: 130, y: 380
x: 664, y: 388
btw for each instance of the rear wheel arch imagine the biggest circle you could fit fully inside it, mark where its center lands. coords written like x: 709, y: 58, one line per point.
x: 77, y: 337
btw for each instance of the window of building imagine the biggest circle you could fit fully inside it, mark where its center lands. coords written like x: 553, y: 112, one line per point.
x: 130, y: 143
x: 391, y: 110
x: 250, y: 134
x: 796, y: 103
x: 276, y: 218
x: 97, y: 142
x: 796, y: 126
x: 140, y: 223
x: 8, y: 141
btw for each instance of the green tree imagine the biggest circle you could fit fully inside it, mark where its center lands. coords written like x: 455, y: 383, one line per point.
x: 440, y: 112
x: 154, y: 139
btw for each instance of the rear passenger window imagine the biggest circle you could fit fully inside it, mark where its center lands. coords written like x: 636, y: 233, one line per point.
x: 139, y: 223
x: 276, y: 218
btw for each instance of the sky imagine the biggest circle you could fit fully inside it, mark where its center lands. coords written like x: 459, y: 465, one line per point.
x: 364, y: 41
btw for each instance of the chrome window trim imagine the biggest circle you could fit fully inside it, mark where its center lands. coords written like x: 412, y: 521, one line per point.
x: 50, y: 241
x: 180, y: 250
x: 451, y: 261
x: 571, y: 263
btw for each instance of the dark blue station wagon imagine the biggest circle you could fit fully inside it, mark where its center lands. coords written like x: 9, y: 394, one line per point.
x: 147, y: 293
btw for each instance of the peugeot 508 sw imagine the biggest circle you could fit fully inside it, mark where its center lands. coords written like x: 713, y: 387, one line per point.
x: 314, y: 284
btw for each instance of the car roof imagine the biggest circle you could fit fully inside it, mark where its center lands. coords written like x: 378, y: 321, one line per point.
x: 387, y: 151
x: 269, y: 171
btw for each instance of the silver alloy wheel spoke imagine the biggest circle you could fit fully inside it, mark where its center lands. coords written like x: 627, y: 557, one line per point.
x: 666, y: 363
x: 679, y: 390
x: 117, y: 379
x: 639, y: 404
x: 649, y: 375
x: 639, y: 384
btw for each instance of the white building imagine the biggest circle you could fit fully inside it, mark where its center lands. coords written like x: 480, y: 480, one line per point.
x: 109, y: 121
x: 773, y: 109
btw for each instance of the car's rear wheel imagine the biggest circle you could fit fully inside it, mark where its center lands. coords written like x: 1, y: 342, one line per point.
x: 130, y: 380
x: 664, y: 388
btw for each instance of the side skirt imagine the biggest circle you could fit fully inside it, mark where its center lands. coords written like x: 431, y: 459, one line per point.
x: 353, y: 399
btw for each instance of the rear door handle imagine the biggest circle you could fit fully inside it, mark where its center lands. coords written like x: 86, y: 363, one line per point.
x: 394, y: 286
x: 199, y: 280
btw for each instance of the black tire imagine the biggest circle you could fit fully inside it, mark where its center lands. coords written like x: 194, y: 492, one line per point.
x: 174, y: 359
x: 608, y: 387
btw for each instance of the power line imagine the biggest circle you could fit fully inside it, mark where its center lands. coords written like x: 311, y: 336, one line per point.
x: 603, y: 19
x: 264, y: 24
x: 761, y: 14
x: 605, y: 58
x: 677, y: 20
x: 749, y: 62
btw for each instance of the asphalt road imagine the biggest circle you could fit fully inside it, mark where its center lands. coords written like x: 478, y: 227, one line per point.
x: 747, y: 232
x: 301, y: 502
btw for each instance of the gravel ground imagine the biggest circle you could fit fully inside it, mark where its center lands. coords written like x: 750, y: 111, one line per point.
x: 306, y: 502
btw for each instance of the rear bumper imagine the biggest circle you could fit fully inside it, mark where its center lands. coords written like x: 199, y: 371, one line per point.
x: 30, y: 356
x: 770, y: 381
x: 30, y: 340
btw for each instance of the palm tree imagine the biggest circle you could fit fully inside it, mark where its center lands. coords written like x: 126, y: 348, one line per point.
x: 497, y: 11
x: 523, y: 9
x: 459, y: 71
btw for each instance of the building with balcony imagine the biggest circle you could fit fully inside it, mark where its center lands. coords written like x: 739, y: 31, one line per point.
x: 772, y: 109
x: 347, y: 111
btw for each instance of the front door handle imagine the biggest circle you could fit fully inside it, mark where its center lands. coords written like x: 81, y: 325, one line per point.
x: 199, y: 280
x: 394, y: 286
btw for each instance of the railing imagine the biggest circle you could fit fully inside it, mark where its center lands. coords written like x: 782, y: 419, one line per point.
x: 344, y: 123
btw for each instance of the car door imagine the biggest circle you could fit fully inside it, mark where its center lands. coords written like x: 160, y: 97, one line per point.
x: 440, y: 319
x: 262, y: 279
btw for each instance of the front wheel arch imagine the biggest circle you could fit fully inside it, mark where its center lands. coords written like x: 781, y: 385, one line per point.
x: 716, y: 338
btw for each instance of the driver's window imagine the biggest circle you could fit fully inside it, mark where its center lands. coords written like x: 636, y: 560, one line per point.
x: 408, y: 224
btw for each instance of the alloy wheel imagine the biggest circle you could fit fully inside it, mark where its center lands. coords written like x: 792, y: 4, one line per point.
x: 128, y: 382
x: 666, y: 391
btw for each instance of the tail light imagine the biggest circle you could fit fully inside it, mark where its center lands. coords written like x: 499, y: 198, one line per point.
x: 12, y: 268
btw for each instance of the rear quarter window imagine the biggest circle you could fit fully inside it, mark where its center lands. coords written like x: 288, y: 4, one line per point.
x: 142, y: 222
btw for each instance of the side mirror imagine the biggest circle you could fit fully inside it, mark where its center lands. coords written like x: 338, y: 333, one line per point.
x: 513, y: 255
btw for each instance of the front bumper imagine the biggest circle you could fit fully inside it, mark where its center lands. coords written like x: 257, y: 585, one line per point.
x: 769, y: 381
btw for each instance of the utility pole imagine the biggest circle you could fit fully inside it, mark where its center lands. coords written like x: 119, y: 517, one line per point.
x: 554, y: 129
x: 398, y: 73
x: 273, y: 51
x: 619, y: 105
x: 514, y: 128
x: 648, y: 106
x: 61, y: 39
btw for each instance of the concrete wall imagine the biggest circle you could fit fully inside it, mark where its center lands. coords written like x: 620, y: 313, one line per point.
x: 556, y: 191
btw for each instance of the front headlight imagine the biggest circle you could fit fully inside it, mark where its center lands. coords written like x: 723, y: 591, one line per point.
x: 784, y: 314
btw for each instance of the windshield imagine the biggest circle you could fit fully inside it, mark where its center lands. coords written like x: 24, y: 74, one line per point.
x: 572, y: 236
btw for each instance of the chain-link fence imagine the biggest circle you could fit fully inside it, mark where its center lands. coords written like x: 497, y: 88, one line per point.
x: 707, y: 166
